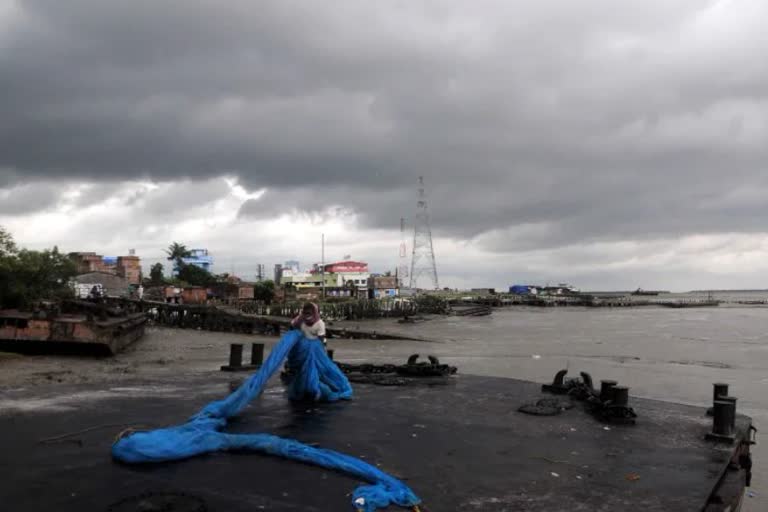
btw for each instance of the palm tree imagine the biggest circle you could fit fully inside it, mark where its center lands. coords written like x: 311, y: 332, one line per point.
x: 176, y: 251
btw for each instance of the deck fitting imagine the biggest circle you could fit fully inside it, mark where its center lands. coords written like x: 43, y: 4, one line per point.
x: 236, y: 358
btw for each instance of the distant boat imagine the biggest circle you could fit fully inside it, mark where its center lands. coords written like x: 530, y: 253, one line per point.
x: 528, y: 289
x: 640, y: 291
x: 560, y: 289
x: 692, y: 304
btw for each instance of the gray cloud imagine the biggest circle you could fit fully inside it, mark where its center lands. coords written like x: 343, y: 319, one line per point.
x: 535, y: 125
x: 23, y: 199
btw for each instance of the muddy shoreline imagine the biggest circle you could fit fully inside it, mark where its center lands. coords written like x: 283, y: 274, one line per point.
x: 162, y: 354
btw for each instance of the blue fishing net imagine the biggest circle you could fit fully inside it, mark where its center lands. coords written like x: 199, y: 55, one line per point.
x: 315, y: 377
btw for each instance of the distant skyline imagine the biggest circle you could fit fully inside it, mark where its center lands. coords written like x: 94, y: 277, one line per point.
x: 611, y: 148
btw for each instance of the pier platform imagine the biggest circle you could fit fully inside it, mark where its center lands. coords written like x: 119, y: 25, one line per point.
x: 459, y: 443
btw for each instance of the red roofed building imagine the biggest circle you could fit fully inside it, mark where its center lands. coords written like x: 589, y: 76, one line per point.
x: 347, y: 273
x: 343, y: 267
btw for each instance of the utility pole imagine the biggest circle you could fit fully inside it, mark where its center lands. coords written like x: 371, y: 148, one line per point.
x: 423, y: 255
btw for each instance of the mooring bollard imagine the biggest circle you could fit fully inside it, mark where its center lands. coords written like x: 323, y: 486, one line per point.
x: 236, y: 358
x: 257, y: 354
x: 606, y: 390
x: 723, y: 420
x: 724, y: 417
x: 235, y: 355
x: 620, y: 396
x: 731, y: 400
x: 719, y: 389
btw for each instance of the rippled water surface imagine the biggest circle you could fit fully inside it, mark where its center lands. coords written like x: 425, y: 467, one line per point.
x: 662, y: 353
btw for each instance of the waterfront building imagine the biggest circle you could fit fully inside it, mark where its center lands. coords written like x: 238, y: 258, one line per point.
x: 127, y: 267
x: 199, y: 258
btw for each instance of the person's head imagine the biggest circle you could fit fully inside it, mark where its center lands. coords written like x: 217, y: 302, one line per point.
x: 309, y: 311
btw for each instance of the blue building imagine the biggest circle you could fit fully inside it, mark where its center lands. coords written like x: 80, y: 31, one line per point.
x: 523, y: 289
x: 199, y: 258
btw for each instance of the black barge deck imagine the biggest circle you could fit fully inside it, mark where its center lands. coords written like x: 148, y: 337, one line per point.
x: 460, y: 445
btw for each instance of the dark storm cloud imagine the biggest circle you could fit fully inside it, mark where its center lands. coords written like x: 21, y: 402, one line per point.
x: 537, y: 124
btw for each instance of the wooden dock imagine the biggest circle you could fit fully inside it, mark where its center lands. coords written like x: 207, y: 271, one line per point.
x: 231, y: 319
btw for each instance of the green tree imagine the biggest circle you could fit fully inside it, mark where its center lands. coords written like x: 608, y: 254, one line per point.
x: 46, y: 274
x: 195, y: 276
x: 176, y: 252
x: 29, y: 276
x: 156, y: 276
x: 264, y: 291
x: 7, y: 246
x: 8, y: 282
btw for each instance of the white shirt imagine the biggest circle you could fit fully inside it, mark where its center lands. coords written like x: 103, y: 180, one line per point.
x: 314, y: 331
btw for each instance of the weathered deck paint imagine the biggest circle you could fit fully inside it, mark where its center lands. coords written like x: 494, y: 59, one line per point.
x: 461, y: 445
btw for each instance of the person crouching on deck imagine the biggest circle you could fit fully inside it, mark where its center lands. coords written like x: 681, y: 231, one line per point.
x: 310, y: 323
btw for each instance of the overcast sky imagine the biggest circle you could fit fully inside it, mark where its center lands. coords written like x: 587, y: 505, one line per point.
x: 607, y: 144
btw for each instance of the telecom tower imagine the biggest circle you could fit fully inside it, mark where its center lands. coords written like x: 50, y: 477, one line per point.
x: 423, y: 255
x: 402, y: 270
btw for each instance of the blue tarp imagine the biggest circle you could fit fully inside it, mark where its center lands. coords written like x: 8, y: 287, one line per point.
x: 317, y: 378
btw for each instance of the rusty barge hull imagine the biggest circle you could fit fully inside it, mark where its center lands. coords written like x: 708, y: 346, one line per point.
x: 24, y: 331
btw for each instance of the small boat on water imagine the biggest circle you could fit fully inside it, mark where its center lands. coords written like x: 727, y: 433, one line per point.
x: 470, y: 309
x: 640, y: 291
x: 691, y: 304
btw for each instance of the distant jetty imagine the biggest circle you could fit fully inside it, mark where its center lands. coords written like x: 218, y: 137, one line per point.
x: 640, y: 291
x: 691, y: 304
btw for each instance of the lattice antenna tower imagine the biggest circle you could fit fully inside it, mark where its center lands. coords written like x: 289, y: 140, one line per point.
x: 423, y: 255
x: 402, y: 270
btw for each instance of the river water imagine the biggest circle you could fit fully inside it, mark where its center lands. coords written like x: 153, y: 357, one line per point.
x: 661, y: 353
